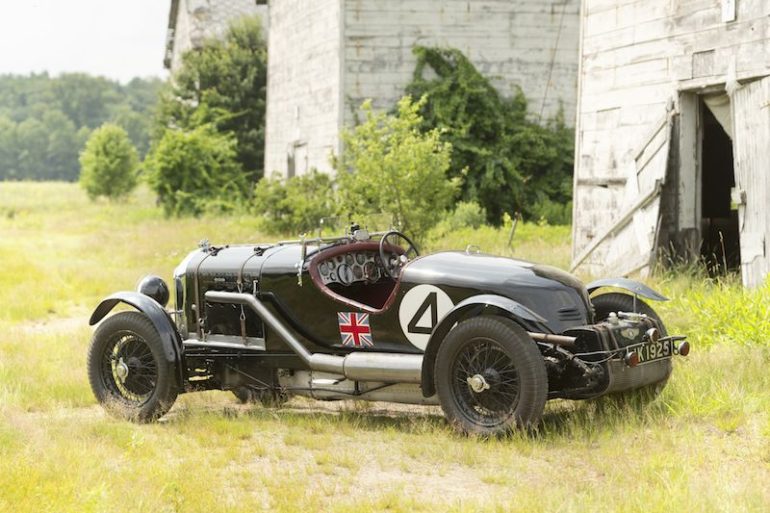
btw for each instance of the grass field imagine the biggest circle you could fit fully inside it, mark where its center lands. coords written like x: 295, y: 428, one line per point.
x: 703, y: 445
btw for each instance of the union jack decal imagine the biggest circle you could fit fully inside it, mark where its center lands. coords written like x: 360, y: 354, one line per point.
x: 355, y: 330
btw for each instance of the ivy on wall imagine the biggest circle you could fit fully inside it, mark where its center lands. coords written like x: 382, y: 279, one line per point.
x: 504, y: 160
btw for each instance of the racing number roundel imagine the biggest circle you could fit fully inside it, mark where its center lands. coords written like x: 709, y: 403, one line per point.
x: 421, y: 310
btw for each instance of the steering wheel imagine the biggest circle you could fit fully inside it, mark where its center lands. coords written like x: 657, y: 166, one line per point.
x: 392, y: 255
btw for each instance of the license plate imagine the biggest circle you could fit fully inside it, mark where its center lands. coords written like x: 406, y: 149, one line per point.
x: 655, y: 351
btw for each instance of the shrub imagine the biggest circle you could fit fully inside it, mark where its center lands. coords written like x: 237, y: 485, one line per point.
x: 295, y: 205
x: 389, y: 166
x: 504, y: 161
x: 108, y: 163
x: 194, y: 171
x: 223, y: 83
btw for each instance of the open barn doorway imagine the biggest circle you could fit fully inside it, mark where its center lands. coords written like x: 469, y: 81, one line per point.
x: 720, y: 239
x: 707, y: 228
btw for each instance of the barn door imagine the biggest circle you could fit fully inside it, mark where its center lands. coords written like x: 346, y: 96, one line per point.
x: 751, y: 154
x: 628, y: 243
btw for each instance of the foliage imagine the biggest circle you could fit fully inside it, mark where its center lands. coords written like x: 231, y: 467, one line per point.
x: 505, y: 162
x: 223, y: 83
x: 295, y: 205
x: 45, y: 121
x: 389, y: 166
x: 109, y: 163
x: 196, y: 170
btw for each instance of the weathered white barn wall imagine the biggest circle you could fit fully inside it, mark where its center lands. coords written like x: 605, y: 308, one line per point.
x: 303, y: 85
x: 638, y: 56
x: 529, y: 43
x: 752, y: 172
x: 193, y: 21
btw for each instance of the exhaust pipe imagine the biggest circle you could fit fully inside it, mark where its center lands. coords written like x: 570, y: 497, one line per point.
x: 360, y: 366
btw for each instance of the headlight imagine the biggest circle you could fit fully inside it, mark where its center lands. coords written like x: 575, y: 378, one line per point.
x: 154, y: 287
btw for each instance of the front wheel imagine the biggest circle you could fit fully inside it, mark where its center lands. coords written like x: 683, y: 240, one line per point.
x: 126, y: 368
x: 490, y: 377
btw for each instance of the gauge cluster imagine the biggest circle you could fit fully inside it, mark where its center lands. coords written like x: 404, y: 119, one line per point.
x: 360, y: 266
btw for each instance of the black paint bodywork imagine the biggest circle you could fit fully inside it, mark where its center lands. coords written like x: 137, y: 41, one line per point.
x: 540, y: 298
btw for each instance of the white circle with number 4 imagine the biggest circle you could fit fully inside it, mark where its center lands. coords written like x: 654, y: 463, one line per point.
x: 421, y: 310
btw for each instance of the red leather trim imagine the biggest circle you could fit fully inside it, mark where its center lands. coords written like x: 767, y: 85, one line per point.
x: 342, y: 249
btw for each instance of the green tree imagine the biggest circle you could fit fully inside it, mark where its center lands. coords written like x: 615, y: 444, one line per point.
x: 49, y: 115
x: 194, y: 171
x: 32, y: 144
x: 295, y: 205
x: 8, y: 146
x: 61, y: 154
x: 84, y: 99
x: 223, y: 84
x: 108, y: 163
x: 506, y: 162
x: 389, y: 166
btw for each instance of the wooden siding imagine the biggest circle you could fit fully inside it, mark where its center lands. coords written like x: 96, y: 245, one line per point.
x: 329, y: 56
x: 751, y: 116
x: 531, y: 44
x: 303, y: 85
x: 636, y: 57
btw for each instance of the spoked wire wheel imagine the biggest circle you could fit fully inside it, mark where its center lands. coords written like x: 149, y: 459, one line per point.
x: 485, y: 382
x: 490, y: 377
x: 127, y: 369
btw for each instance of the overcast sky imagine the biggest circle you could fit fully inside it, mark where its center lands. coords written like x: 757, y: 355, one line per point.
x: 119, y: 39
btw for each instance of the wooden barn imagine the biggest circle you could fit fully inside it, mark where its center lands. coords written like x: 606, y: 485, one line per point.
x: 191, y: 22
x: 327, y: 56
x: 673, y: 136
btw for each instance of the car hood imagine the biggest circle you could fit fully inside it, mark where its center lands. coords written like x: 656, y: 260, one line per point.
x: 552, y: 293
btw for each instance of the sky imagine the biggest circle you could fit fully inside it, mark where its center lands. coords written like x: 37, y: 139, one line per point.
x: 118, y: 39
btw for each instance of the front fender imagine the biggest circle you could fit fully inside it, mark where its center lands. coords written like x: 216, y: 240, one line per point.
x: 158, y: 316
x: 634, y: 287
x: 485, y: 304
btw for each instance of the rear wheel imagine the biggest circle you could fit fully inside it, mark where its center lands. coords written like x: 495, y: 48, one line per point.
x: 605, y: 304
x: 126, y: 368
x: 490, y: 377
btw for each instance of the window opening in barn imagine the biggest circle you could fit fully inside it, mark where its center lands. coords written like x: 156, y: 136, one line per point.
x: 720, y: 248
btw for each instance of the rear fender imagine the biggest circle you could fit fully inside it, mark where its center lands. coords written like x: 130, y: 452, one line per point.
x: 485, y: 304
x: 160, y: 319
x: 634, y: 287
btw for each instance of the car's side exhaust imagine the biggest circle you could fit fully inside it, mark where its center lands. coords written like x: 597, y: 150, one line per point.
x: 359, y: 366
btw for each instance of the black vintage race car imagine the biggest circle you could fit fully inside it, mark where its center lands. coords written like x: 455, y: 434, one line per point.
x: 488, y: 338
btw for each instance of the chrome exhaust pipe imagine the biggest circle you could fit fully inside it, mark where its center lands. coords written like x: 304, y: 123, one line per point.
x: 360, y: 366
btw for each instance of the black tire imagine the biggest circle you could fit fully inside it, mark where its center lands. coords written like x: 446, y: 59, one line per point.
x: 128, y: 343
x: 604, y: 304
x: 502, y: 353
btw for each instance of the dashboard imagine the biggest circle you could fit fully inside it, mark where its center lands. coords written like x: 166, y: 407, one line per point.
x: 351, y: 267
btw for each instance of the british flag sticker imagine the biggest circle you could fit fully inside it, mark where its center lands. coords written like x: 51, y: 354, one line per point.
x: 355, y: 330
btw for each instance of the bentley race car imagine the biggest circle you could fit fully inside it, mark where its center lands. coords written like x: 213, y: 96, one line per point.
x: 362, y: 316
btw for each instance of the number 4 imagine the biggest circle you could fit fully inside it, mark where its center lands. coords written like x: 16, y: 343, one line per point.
x: 431, y: 301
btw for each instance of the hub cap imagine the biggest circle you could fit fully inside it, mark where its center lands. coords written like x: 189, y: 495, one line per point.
x: 478, y: 384
x: 121, y: 371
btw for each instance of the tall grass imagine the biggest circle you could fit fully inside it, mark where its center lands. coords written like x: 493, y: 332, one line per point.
x: 703, y: 445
